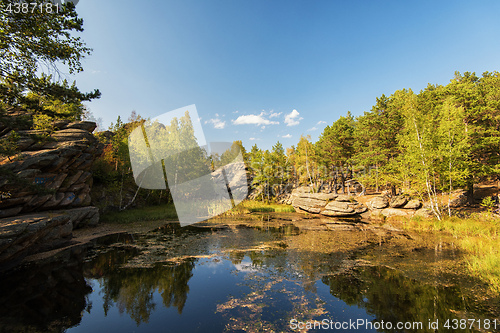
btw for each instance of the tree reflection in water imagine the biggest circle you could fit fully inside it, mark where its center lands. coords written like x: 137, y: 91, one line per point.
x: 246, y: 279
x: 390, y: 296
x: 132, y: 289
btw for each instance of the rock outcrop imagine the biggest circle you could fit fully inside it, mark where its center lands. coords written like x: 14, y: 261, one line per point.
x: 45, y: 186
x: 338, y: 205
x: 327, y: 204
x: 51, y: 173
x: 398, y: 201
x: 396, y: 206
x: 413, y: 204
x: 27, y: 234
x: 379, y: 202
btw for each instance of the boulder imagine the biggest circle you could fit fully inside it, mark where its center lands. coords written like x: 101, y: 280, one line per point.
x: 328, y: 204
x: 413, y: 204
x: 379, y: 202
x: 359, y: 208
x: 344, y: 198
x: 309, y: 204
x: 302, y: 198
x: 36, y: 159
x: 72, y: 134
x: 398, y: 201
x: 337, y: 206
x: 333, y: 213
x: 388, y: 212
x: 424, y: 212
x: 60, y: 124
x: 343, y: 209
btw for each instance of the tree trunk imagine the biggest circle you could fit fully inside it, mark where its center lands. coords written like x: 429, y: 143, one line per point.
x: 470, y: 191
x: 342, y: 181
x: 335, y: 182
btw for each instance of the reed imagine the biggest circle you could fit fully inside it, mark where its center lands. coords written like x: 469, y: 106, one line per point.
x: 477, y: 235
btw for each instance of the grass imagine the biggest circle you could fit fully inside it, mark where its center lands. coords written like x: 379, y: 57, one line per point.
x: 167, y: 212
x: 250, y: 206
x: 150, y: 213
x: 477, y: 235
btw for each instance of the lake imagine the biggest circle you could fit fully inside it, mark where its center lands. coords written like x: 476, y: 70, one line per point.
x: 264, y: 273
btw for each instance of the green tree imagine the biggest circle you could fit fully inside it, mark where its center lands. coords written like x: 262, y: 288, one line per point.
x: 376, y: 142
x: 279, y: 168
x: 335, y: 148
x: 422, y: 147
x: 305, y: 161
x: 479, y: 97
x: 455, y: 145
x: 40, y: 41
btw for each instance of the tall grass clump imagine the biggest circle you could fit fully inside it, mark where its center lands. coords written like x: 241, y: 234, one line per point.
x: 477, y: 235
x: 250, y: 206
x: 259, y: 206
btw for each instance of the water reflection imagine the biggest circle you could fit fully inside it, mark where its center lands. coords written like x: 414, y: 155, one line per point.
x: 132, y: 290
x: 390, y: 296
x: 44, y: 297
x: 237, y: 278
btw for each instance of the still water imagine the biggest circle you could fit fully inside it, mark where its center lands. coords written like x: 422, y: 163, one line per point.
x: 253, y: 276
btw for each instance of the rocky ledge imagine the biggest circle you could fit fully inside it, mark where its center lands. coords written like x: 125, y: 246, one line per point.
x: 45, y: 186
x: 341, y: 205
x: 50, y: 173
x: 27, y: 234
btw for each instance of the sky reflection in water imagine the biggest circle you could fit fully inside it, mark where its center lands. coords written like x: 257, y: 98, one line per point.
x: 257, y: 286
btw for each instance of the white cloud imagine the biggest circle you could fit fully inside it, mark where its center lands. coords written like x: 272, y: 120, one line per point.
x: 219, y: 124
x: 321, y: 122
x: 254, y: 119
x: 288, y: 136
x: 254, y: 139
x: 236, y: 111
x: 274, y: 114
x: 293, y: 118
x: 312, y: 129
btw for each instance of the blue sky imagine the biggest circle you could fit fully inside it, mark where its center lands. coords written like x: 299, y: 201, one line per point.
x: 263, y: 71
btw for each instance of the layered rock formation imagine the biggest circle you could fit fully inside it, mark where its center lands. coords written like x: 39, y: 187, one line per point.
x: 328, y: 204
x: 27, y: 234
x: 51, y: 174
x: 48, y: 171
x: 335, y: 205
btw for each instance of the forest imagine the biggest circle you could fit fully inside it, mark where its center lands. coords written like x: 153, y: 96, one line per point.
x: 442, y: 139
